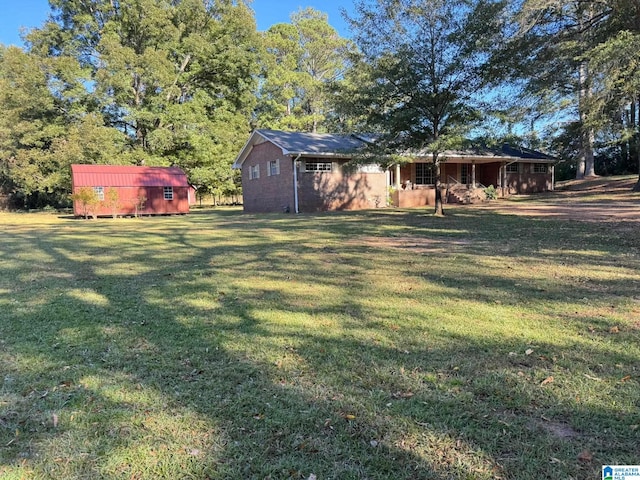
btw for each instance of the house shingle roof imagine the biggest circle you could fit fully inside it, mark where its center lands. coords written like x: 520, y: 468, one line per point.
x: 344, y: 146
x: 308, y: 143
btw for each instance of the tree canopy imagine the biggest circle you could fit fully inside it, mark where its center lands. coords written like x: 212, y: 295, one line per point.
x: 182, y: 82
x: 418, y: 78
x: 300, y: 60
x: 161, y: 82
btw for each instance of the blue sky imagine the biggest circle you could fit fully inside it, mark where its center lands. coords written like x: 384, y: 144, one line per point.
x: 15, y: 14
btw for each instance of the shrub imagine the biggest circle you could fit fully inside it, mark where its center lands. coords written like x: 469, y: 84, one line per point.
x: 491, y: 192
x: 87, y: 199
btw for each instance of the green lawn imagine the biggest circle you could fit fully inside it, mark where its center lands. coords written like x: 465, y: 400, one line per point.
x: 388, y: 344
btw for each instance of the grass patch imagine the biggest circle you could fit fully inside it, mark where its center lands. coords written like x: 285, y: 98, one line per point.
x: 380, y: 344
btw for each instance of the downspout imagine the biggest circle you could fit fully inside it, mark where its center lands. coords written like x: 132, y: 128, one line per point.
x: 295, y: 184
x: 505, y: 187
x: 473, y: 174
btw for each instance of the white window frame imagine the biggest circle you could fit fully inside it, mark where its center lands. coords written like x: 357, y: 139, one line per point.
x: 540, y: 168
x: 273, y: 167
x: 427, y: 176
x: 465, y: 173
x: 512, y: 168
x: 315, y: 166
x: 370, y: 168
x: 99, y: 191
x: 168, y: 193
x: 254, y: 172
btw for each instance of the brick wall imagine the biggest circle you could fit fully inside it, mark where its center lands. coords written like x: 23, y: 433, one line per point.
x: 317, y: 191
x: 527, y: 181
x: 267, y: 193
x: 340, y: 190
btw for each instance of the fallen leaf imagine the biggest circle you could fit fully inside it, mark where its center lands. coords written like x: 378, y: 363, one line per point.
x: 373, y: 443
x: 349, y: 416
x: 403, y: 395
x: 55, y: 420
x: 624, y: 379
x: 547, y: 380
x: 585, y: 456
x: 614, y: 329
x: 528, y: 351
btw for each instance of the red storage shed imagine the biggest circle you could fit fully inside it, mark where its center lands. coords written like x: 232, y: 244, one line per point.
x: 141, y: 190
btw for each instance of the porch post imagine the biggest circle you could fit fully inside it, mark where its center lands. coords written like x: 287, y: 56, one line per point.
x: 397, y: 176
x: 503, y: 177
x: 473, y: 174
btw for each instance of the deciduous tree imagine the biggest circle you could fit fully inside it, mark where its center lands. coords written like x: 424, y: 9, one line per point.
x: 176, y: 77
x: 418, y: 79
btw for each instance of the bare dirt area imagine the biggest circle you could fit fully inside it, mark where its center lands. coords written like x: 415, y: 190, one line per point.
x: 599, y: 199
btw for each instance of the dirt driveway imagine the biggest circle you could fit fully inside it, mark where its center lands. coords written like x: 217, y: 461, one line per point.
x: 593, y: 200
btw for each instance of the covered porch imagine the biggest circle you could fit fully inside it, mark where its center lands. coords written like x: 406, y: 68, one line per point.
x: 462, y: 181
x: 463, y: 177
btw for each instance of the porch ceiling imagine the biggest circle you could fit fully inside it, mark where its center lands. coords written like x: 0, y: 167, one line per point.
x: 481, y: 160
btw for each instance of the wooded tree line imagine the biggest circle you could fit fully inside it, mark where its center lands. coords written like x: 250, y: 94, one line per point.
x: 160, y: 82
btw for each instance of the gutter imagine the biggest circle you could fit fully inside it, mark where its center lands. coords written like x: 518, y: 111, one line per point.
x: 295, y: 184
x: 318, y: 154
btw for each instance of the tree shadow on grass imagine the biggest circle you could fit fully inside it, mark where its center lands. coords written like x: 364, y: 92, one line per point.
x: 202, y: 360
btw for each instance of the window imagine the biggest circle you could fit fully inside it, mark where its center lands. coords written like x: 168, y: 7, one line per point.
x: 99, y: 192
x: 318, y: 166
x: 254, y: 172
x: 370, y: 168
x: 168, y: 193
x: 424, y: 174
x: 539, y: 168
x: 273, y: 168
x: 512, y: 168
x: 464, y: 173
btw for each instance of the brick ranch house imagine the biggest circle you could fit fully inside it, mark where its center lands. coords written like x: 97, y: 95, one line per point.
x: 306, y: 172
x: 140, y: 190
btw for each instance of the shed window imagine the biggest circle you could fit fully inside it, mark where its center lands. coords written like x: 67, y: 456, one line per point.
x: 512, y: 168
x: 273, y: 167
x: 318, y: 166
x: 99, y: 192
x: 539, y: 168
x: 254, y: 172
x: 168, y: 193
x: 424, y: 174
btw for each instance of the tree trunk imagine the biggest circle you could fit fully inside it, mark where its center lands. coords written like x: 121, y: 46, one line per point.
x: 634, y: 143
x: 585, y: 166
x: 439, y: 210
x: 637, y: 186
x: 589, y: 161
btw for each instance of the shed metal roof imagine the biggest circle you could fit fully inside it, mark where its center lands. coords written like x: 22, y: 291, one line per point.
x: 127, y: 176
